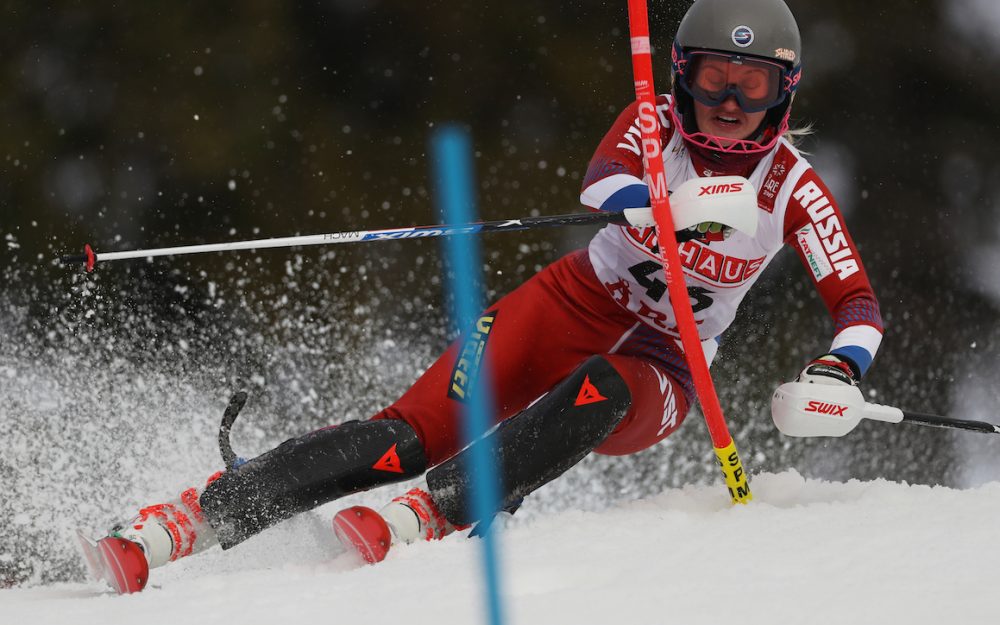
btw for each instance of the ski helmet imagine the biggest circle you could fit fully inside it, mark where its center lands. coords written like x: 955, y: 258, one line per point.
x: 745, y: 31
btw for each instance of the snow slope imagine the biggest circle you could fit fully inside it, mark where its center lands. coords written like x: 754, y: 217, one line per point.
x: 804, y: 551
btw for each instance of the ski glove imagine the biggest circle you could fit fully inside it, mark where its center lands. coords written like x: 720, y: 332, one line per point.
x: 830, y: 369
x: 709, y: 231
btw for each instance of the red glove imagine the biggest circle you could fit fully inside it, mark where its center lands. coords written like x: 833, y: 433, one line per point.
x: 829, y: 369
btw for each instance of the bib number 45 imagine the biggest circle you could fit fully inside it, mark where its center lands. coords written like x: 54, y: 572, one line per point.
x: 645, y: 273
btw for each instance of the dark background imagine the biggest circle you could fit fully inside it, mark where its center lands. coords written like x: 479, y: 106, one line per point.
x: 130, y: 125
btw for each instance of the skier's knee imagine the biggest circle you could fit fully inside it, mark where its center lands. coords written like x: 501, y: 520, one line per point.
x: 658, y: 407
x: 541, y: 442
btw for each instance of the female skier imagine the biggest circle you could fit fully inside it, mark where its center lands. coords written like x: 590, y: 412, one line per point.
x: 592, y: 335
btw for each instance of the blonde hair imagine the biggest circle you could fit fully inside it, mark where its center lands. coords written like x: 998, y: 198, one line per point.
x: 797, y: 134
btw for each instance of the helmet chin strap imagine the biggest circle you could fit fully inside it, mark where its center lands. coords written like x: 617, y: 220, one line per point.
x: 709, y: 158
x: 760, y: 143
x: 757, y: 136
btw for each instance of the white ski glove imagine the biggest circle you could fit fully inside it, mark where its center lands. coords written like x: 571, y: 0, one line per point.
x: 710, y: 209
x: 829, y: 369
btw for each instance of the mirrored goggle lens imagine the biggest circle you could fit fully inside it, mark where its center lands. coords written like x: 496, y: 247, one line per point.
x: 713, y: 78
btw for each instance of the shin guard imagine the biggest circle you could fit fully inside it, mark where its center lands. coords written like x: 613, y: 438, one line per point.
x: 540, y: 443
x: 306, y: 472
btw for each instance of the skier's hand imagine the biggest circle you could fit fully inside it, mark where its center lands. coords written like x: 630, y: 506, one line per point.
x: 829, y: 369
x: 708, y: 231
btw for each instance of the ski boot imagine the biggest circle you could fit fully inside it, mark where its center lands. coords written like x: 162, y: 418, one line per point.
x: 118, y: 561
x: 405, y: 519
x: 158, y: 534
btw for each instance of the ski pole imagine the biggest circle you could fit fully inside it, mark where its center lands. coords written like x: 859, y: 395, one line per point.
x: 639, y: 217
x: 802, y: 409
x: 236, y: 403
x: 935, y: 421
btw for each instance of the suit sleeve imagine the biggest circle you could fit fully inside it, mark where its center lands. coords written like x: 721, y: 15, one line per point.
x: 614, y: 179
x: 815, y: 228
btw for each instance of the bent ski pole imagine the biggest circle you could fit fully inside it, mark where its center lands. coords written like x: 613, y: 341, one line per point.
x: 805, y: 410
x: 640, y: 217
x: 236, y: 403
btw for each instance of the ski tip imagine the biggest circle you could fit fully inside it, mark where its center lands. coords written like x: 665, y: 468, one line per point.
x: 117, y: 561
x: 364, y: 532
x: 91, y: 557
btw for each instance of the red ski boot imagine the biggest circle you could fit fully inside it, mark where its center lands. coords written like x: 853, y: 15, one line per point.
x: 363, y: 531
x: 407, y: 518
x: 157, y: 535
x: 118, y: 561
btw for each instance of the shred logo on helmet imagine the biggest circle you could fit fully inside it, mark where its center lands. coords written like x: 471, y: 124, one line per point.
x: 759, y: 33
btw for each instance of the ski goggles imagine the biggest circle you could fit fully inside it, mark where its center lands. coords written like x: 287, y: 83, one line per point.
x: 711, y: 78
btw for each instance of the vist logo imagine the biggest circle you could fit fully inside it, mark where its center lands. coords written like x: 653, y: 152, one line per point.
x: 715, y: 189
x: 820, y: 407
x: 828, y: 229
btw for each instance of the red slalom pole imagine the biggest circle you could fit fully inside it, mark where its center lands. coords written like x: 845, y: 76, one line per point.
x: 652, y: 157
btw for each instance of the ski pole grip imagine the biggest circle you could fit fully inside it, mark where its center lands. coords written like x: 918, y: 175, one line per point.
x: 88, y: 258
x: 878, y: 412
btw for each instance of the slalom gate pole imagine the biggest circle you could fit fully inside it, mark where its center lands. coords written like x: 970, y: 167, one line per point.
x: 453, y: 177
x: 633, y: 216
x: 642, y: 67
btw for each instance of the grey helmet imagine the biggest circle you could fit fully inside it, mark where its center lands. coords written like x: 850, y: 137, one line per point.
x: 755, y: 29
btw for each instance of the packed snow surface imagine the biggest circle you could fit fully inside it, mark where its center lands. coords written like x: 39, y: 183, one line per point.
x: 804, y: 551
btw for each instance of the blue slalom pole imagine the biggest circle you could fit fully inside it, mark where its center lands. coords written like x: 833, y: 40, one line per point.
x: 451, y: 150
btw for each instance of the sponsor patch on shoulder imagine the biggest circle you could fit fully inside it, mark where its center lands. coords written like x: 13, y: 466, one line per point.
x: 811, y: 247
